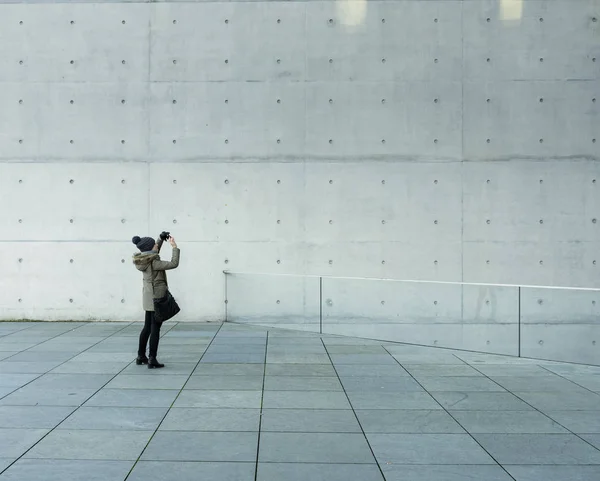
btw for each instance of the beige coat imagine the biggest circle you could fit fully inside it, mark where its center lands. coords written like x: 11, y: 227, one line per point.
x: 155, y: 278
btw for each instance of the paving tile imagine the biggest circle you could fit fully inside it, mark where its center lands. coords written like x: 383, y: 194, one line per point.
x: 363, y: 359
x: 538, y: 449
x: 192, y: 471
x: 34, y: 396
x: 145, y: 398
x: 392, y: 400
x: 296, y: 351
x: 408, y: 421
x: 201, y: 419
x: 318, y: 472
x: 91, y: 444
x: 309, y: 421
x: 171, y: 368
x: 347, y: 349
x: 26, y: 367
x: 115, y: 418
x: 233, y: 358
x: 101, y: 357
x: 297, y: 358
x: 537, y: 383
x: 480, y: 401
x: 158, y: 381
x: 69, y: 381
x: 577, y: 421
x: 352, y: 370
x: 588, y: 381
x: 64, y: 348
x: 305, y: 400
x: 508, y: 422
x: 54, y: 357
x: 427, y: 449
x: 593, y: 439
x: 300, y: 383
x: 229, y: 383
x: 89, y: 368
x: 440, y: 370
x: 206, y: 369
x: 41, y: 417
x: 170, y: 357
x: 16, y: 380
x: 459, y: 383
x: 561, y: 401
x: 314, y: 448
x: 445, y: 473
x: 4, y: 391
x: 381, y: 384
x: 66, y: 470
x: 430, y: 358
x: 202, y: 446
x: 493, y: 370
x: 304, y: 370
x: 570, y: 369
x: 218, y: 399
x: 236, y: 349
x: 16, y: 441
x: 554, y: 473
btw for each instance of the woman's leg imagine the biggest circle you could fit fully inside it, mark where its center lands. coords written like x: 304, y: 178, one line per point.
x: 145, y: 334
x: 154, y: 336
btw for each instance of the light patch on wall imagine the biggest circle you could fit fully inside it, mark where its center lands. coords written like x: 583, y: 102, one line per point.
x: 511, y: 10
x: 351, y: 12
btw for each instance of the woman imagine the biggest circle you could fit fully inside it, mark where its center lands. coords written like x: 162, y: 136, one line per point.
x: 155, y: 286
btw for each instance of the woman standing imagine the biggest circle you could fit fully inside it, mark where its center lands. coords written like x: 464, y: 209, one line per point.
x: 154, y: 286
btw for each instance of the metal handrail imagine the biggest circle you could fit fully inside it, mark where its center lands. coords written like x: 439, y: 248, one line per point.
x: 592, y: 289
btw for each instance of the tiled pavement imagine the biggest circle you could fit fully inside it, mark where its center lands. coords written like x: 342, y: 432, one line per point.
x: 73, y: 406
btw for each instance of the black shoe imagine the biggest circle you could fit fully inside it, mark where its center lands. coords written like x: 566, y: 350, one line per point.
x: 153, y: 363
x: 141, y: 360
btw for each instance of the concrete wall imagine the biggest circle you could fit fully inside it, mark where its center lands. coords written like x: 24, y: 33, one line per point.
x: 421, y: 139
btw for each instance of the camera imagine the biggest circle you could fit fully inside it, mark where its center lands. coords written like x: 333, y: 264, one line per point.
x: 165, y: 235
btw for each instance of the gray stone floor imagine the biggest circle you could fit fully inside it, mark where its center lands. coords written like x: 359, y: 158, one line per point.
x: 238, y: 403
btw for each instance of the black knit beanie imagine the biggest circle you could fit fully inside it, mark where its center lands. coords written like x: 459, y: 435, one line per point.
x: 144, y: 244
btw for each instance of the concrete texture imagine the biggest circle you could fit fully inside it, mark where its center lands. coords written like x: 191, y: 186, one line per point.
x: 421, y: 139
x: 445, y: 415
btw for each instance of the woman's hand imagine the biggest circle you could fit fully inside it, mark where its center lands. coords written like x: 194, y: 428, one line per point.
x: 172, y: 242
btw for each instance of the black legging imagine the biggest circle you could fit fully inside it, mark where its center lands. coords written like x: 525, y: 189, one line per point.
x: 151, y: 330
